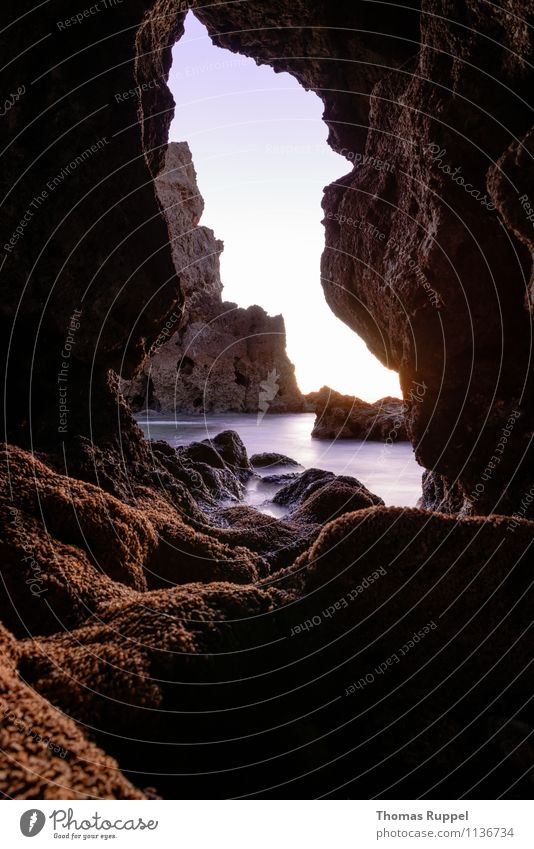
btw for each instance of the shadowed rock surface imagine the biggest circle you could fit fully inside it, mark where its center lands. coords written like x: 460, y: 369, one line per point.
x: 271, y: 458
x: 45, y: 755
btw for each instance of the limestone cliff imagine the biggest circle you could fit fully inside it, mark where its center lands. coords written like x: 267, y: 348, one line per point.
x: 212, y: 356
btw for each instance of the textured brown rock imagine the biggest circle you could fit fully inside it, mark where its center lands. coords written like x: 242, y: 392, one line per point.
x: 195, y: 249
x: 271, y: 458
x: 69, y: 547
x: 451, y: 626
x: 333, y: 499
x: 45, y: 755
x: 435, y: 284
x: 85, y: 243
x: 345, y: 417
x: 113, y: 535
x: 318, y: 497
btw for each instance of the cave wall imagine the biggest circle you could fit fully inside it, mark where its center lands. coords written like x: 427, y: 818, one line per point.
x: 435, y: 280
x: 81, y: 147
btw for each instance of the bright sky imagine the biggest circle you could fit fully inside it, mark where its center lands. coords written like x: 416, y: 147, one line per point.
x: 260, y: 152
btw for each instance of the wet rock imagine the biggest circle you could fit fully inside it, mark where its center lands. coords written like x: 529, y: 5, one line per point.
x: 333, y: 499
x: 317, y: 496
x: 202, y: 452
x: 440, y: 495
x: 307, y: 482
x: 229, y: 446
x: 279, y: 541
x: 278, y: 479
x: 213, y: 470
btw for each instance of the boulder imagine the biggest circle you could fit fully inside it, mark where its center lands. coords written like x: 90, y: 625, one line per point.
x: 332, y: 500
x: 345, y: 417
x: 317, y: 496
x: 304, y: 485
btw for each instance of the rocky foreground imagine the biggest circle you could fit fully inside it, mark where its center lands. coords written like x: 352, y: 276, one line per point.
x: 169, y: 640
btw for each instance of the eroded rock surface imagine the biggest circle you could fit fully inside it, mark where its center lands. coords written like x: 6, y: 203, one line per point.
x: 386, y: 654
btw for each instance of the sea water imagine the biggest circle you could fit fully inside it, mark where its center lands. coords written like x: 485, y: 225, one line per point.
x: 389, y: 471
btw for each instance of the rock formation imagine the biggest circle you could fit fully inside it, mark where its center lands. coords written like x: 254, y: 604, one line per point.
x: 215, y: 357
x: 345, y: 417
x: 254, y: 610
x: 428, y: 237
x: 148, y: 628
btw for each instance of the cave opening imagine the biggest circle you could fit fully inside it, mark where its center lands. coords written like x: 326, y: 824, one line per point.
x: 259, y: 146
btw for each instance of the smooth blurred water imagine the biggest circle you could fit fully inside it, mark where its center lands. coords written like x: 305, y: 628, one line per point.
x: 390, y: 471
